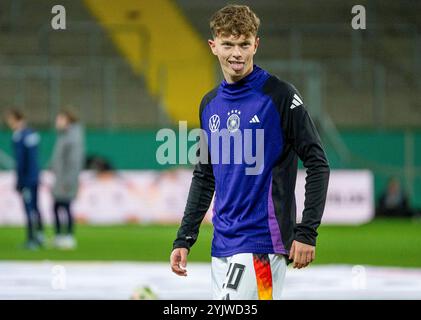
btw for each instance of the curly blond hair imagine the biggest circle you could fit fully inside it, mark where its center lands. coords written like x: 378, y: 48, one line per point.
x: 234, y: 20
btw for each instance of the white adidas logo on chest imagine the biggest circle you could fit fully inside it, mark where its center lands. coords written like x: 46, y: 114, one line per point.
x: 255, y: 119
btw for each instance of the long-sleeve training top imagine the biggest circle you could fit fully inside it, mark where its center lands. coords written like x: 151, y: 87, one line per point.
x: 256, y: 213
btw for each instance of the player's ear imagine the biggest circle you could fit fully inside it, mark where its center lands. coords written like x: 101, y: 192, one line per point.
x: 256, y: 44
x: 212, y: 45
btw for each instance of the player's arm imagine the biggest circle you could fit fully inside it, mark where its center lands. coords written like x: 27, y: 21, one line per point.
x: 31, y: 143
x: 20, y: 167
x: 303, y: 136
x: 73, y: 162
x: 199, y: 199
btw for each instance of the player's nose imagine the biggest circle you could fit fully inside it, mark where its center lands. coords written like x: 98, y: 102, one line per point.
x: 236, y: 52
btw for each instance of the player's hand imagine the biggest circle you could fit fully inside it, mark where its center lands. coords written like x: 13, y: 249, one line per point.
x: 302, y: 254
x: 178, y: 261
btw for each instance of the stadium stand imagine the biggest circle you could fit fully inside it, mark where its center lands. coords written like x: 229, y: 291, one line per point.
x: 386, y: 53
x: 43, y: 69
x: 367, y: 74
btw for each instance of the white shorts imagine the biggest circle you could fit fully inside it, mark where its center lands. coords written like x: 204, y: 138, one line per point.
x: 248, y: 276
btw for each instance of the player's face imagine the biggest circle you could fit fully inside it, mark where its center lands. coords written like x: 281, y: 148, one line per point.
x: 11, y: 122
x: 235, y: 54
x: 61, y: 122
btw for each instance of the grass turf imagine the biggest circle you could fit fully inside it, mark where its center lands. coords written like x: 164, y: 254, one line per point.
x: 381, y: 242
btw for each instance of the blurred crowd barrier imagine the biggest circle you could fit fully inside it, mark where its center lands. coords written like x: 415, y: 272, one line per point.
x: 118, y: 197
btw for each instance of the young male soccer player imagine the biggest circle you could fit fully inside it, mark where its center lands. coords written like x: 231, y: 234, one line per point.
x: 255, y: 229
x: 25, y: 146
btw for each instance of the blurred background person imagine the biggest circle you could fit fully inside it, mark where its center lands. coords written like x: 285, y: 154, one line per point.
x: 67, y: 163
x: 25, y: 148
x: 394, y: 202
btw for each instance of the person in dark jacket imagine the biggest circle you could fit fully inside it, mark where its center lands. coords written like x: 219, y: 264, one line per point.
x: 67, y: 163
x: 394, y: 201
x: 25, y: 147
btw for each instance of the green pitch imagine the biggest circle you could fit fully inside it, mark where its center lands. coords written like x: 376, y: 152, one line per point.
x: 381, y: 242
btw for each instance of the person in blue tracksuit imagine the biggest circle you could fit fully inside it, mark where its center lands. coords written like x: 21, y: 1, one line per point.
x: 256, y: 234
x: 25, y: 147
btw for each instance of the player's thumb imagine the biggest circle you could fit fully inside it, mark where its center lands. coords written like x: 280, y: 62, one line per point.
x: 183, y: 261
x: 292, y: 251
x: 174, y: 256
